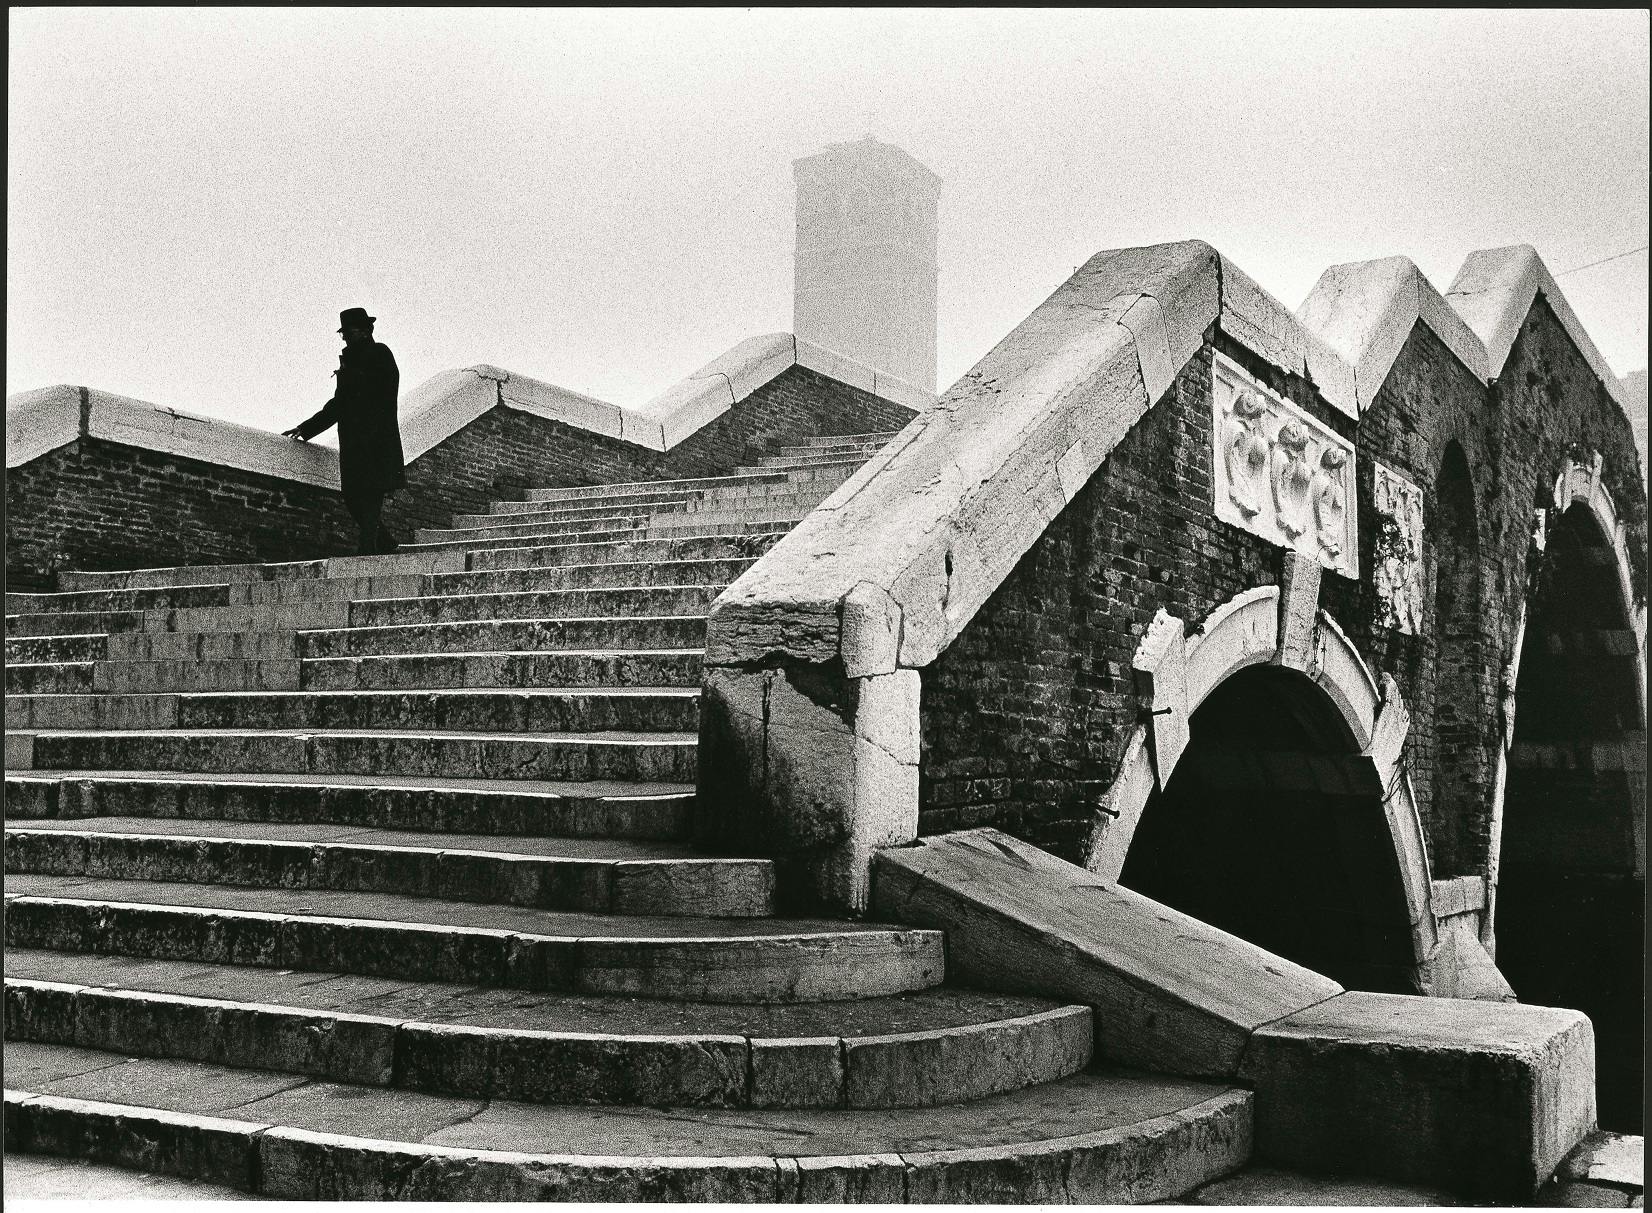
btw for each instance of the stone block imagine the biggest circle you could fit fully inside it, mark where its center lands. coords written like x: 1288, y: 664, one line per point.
x: 1241, y: 632
x: 1482, y: 1098
x: 1298, y: 609
x: 41, y: 1011
x: 875, y: 1179
x: 447, y: 1059
x: 952, y: 1065
x: 797, y: 1073
x: 658, y: 1071
x: 1121, y: 809
x: 209, y: 1148
x: 871, y: 628
x: 1160, y: 666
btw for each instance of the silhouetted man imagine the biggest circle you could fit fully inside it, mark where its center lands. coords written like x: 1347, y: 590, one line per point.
x: 369, y: 443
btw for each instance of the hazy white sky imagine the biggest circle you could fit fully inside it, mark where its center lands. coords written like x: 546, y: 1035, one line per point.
x: 603, y: 199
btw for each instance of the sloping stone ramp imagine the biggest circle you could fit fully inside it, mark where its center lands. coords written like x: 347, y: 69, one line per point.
x: 367, y: 878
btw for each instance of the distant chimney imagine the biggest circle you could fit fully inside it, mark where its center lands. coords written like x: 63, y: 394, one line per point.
x: 866, y: 266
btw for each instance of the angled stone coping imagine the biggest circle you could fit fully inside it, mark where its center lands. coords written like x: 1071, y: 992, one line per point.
x: 1171, y: 993
x: 42, y: 420
x: 1365, y: 310
x: 1484, y: 1098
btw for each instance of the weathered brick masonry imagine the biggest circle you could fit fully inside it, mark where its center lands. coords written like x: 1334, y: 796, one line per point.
x: 94, y: 504
x: 504, y: 450
x: 1026, y: 715
x: 99, y: 505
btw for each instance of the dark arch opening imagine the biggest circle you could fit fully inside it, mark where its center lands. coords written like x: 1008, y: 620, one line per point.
x: 1570, y: 916
x: 1460, y: 827
x: 1272, y: 828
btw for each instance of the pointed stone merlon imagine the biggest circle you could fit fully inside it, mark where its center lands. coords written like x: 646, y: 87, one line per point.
x: 1483, y: 1099
x: 40, y: 421
x: 1364, y: 311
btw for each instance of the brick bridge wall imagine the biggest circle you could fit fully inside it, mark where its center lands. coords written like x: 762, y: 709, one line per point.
x: 95, y: 504
x: 1026, y: 715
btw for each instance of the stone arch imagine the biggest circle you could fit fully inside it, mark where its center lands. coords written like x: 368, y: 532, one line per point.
x: 1571, y: 870
x: 1340, y: 799
x: 1458, y: 826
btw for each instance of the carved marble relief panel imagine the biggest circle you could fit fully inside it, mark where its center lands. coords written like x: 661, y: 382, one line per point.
x: 1281, y: 474
x: 1398, y: 550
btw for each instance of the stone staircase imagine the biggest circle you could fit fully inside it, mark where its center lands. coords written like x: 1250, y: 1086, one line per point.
x: 368, y: 878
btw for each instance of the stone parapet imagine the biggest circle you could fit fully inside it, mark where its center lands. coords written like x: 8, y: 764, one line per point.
x: 42, y: 420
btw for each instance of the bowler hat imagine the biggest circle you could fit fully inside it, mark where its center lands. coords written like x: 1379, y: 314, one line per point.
x: 354, y: 318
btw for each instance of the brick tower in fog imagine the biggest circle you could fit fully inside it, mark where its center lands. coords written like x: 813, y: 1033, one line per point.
x: 866, y: 264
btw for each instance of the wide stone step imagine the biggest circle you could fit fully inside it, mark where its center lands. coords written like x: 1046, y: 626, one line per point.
x: 826, y: 456
x: 397, y: 564
x: 572, y: 668
x: 1101, y: 1137
x: 845, y: 450
x: 49, y: 678
x: 593, y: 875
x: 509, y: 636
x: 74, y: 623
x: 798, y: 470
x: 283, y: 591
x: 51, y: 650
x: 718, y: 547
x: 426, y: 939
x: 608, y: 809
x: 800, y: 502
x: 590, y: 493
x: 153, y: 598
x: 527, y: 536
x: 544, y: 604
x: 587, y: 545
x: 504, y: 511
x: 191, y: 574
x: 877, y: 438
x: 714, y: 571
x: 202, y: 646
x: 730, y: 520
x: 499, y: 710
x: 199, y: 675
x: 613, y: 523
x: 263, y: 618
x: 662, y: 757
x: 932, y: 1047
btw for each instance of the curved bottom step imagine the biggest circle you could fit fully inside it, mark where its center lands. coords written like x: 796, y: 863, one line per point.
x: 1105, y: 1137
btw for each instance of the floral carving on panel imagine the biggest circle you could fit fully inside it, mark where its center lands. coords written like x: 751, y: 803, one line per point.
x: 1398, y: 550
x: 1282, y: 474
x: 1247, y: 453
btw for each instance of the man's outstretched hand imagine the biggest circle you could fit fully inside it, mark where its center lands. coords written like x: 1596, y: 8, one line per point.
x: 294, y: 435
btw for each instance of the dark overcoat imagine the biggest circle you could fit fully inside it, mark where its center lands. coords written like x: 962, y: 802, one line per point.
x: 364, y: 408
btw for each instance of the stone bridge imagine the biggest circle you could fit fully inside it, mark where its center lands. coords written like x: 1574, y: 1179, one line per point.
x: 1242, y: 675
